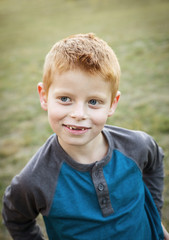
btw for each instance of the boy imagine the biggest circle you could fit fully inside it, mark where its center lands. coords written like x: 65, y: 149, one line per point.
x: 89, y: 181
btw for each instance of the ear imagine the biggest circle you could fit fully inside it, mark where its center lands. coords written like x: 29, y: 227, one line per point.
x: 114, y: 104
x: 42, y: 96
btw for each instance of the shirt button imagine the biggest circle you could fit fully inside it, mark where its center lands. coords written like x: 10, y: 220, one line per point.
x: 100, y: 187
x: 104, y: 201
x: 97, y: 173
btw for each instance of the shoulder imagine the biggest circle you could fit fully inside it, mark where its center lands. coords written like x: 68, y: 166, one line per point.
x: 137, y: 145
x: 40, y: 172
x: 129, y: 137
x: 41, y: 159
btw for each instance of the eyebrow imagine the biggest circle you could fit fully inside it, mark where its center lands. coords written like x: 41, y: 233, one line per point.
x: 98, y: 96
x: 94, y: 95
x: 61, y: 91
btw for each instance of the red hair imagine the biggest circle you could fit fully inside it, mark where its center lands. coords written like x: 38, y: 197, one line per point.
x: 85, y: 52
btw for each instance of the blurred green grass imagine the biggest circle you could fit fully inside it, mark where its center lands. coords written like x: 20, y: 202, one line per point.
x: 138, y: 33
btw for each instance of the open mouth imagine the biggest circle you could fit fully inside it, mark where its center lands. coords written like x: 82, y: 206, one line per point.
x: 76, y: 128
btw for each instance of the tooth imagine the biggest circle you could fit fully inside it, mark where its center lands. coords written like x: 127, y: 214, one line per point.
x: 70, y: 128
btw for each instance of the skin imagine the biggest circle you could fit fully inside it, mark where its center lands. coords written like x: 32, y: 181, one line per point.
x: 78, y: 105
x: 166, y: 234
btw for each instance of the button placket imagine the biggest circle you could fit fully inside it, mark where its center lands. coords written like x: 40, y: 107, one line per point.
x: 102, y: 191
x: 98, y: 172
x: 104, y: 201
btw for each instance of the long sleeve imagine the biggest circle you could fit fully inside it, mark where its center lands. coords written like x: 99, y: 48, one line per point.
x: 30, y: 193
x: 20, y: 211
x: 153, y: 173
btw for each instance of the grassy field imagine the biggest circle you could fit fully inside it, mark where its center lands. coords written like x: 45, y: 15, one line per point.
x: 138, y: 33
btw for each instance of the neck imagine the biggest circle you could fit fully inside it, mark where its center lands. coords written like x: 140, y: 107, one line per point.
x: 89, y: 153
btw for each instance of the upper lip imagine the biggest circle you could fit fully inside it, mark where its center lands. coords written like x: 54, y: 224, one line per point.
x: 76, y: 127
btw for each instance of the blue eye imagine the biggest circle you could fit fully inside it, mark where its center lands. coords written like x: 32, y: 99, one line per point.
x: 93, y: 102
x: 65, y: 99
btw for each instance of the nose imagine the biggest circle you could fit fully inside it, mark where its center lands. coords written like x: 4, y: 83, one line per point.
x: 79, y: 112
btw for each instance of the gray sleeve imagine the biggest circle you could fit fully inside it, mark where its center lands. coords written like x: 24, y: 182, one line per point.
x: 153, y: 172
x: 30, y: 193
x: 19, y: 212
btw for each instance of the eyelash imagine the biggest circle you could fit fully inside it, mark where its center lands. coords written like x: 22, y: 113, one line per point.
x: 65, y: 98
x: 92, y: 102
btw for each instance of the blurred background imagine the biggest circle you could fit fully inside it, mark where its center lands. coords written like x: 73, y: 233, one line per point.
x: 138, y: 31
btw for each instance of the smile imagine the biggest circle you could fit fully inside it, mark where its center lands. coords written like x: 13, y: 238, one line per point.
x: 76, y: 128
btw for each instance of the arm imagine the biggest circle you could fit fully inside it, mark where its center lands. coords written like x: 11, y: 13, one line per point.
x: 153, y: 175
x: 19, y: 212
x: 166, y: 234
x: 153, y: 172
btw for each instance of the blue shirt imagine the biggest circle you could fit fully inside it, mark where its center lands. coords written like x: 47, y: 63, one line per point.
x: 109, y: 199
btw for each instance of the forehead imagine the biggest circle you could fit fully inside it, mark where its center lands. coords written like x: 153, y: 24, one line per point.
x: 79, y: 77
x: 80, y: 81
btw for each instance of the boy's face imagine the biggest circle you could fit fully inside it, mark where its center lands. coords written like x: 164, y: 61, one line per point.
x: 78, y: 106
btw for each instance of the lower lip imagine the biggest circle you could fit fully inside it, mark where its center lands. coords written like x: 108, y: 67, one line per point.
x: 76, y: 132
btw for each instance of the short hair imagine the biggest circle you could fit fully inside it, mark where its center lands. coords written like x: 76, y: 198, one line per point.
x: 85, y: 52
